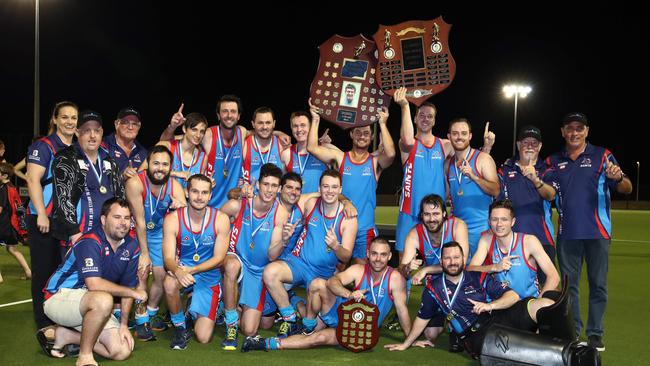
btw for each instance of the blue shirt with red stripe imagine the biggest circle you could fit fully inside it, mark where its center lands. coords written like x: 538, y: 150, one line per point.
x: 42, y: 153
x: 134, y: 159
x: 254, y: 160
x: 533, y: 212
x: 309, y: 168
x: 179, y: 166
x: 583, y: 197
x: 359, y: 181
x: 224, y: 165
x: 93, y: 256
x: 522, y: 276
x: 431, y: 253
x: 197, y: 241
x: 424, y: 173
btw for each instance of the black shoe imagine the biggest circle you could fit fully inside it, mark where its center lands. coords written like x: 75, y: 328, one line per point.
x: 393, y: 324
x: 455, y: 346
x: 144, y: 333
x: 180, y: 339
x: 287, y: 329
x: 596, y: 341
x: 256, y: 343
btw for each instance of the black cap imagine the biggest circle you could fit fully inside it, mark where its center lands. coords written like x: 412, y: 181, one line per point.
x: 575, y: 117
x: 529, y: 131
x: 86, y: 116
x: 128, y: 111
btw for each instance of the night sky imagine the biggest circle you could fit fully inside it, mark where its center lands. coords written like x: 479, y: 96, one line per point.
x: 153, y: 55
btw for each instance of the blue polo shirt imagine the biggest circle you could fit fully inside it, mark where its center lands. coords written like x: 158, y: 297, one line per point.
x: 477, y: 286
x: 583, y: 199
x: 93, y: 256
x: 533, y: 212
x: 41, y: 152
x: 137, y: 156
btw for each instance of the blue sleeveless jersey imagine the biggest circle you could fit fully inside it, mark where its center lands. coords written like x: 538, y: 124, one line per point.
x: 311, y: 247
x: 431, y: 253
x: 186, y: 248
x: 160, y: 208
x: 253, y: 160
x: 521, y: 277
x: 252, y: 250
x: 295, y: 215
x: 473, y: 205
x: 381, y: 291
x: 309, y: 168
x: 424, y: 173
x: 177, y: 162
x: 224, y: 165
x: 360, y: 186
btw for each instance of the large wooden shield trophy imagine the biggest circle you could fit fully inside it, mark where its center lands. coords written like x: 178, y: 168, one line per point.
x: 345, y: 86
x: 358, y: 329
x: 415, y: 55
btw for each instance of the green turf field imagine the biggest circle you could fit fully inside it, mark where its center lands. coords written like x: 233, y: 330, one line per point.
x: 625, y: 322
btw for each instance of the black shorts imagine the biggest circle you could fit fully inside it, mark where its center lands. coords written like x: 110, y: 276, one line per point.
x: 516, y: 317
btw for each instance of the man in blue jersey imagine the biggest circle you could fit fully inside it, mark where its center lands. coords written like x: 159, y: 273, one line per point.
x: 514, y: 257
x: 327, y: 239
x: 45, y: 249
x: 470, y: 301
x: 100, y: 266
x: 360, y: 173
x: 259, y: 233
x: 195, y: 241
x: 375, y: 282
x: 262, y: 146
x: 123, y: 146
x: 472, y: 180
x: 585, y: 174
x: 151, y: 194
x: 522, y: 182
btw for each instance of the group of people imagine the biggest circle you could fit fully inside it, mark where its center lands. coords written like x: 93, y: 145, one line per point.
x: 235, y: 219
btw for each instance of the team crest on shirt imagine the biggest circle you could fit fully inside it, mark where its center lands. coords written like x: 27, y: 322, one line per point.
x: 125, y: 255
x: 586, y: 162
x: 512, y: 174
x: 419, y: 152
x: 186, y: 238
x: 367, y: 171
x: 436, y: 155
x: 346, y: 171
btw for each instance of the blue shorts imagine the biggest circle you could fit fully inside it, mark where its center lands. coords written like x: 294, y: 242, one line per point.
x: 331, y: 318
x: 301, y: 273
x: 154, y: 244
x: 206, y: 294
x: 362, y: 242
x: 405, y: 223
x: 252, y: 292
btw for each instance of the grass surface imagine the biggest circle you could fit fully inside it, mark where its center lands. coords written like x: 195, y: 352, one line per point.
x: 626, y: 319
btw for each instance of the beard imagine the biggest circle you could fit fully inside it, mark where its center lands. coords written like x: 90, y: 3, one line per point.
x: 158, y: 182
x: 435, y: 229
x: 454, y: 271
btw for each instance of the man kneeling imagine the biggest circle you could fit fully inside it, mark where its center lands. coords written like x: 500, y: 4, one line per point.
x: 375, y: 281
x: 101, y: 265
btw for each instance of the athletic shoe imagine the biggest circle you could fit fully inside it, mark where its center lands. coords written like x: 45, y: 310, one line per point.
x: 143, y: 332
x: 596, y: 341
x: 230, y: 342
x: 256, y: 343
x: 159, y: 324
x: 180, y: 339
x: 288, y: 329
x: 393, y: 324
x: 454, y: 343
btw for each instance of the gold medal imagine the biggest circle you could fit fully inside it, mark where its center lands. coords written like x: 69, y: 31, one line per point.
x: 450, y: 317
x: 150, y: 225
x: 102, y: 190
x: 505, y: 283
x: 251, y: 246
x: 328, y: 248
x: 460, y: 191
x: 225, y: 172
x: 196, y: 257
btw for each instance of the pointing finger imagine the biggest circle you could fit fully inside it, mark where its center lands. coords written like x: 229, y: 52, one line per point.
x: 180, y: 110
x: 487, y: 127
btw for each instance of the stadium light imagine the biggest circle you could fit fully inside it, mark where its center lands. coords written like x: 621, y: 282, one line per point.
x: 518, y: 91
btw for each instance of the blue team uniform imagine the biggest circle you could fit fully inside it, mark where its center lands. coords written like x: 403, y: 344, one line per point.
x: 473, y: 205
x: 134, y: 159
x: 311, y: 257
x: 309, y: 168
x: 254, y: 160
x: 93, y: 256
x: 252, y: 251
x: 359, y: 182
x: 431, y: 253
x: 159, y: 205
x: 533, y: 212
x: 296, y: 215
x: 42, y: 153
x: 521, y: 277
x: 224, y: 165
x: 424, y: 174
x: 207, y: 288
x: 179, y: 166
x: 378, y: 293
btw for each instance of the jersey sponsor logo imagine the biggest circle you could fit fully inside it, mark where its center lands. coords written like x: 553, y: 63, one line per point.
x: 436, y: 155
x: 89, y: 266
x: 367, y: 171
x: 585, y: 163
x: 512, y: 174
x: 125, y: 256
x: 117, y: 154
x: 419, y: 152
x: 562, y: 165
x: 408, y: 180
x: 346, y: 171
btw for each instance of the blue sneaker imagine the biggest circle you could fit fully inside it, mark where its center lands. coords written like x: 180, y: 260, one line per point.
x: 288, y: 329
x: 180, y: 339
x: 256, y: 343
x: 230, y: 342
x: 143, y: 332
x: 159, y: 324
